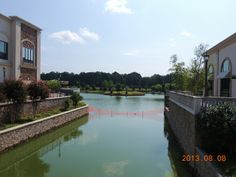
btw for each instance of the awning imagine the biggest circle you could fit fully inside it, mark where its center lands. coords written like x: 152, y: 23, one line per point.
x: 224, y: 75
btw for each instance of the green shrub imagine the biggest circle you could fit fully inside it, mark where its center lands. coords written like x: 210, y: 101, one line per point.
x: 66, y: 105
x: 14, y: 91
x: 38, y: 90
x: 54, y: 85
x: 2, y: 95
x: 217, y: 129
x: 44, y: 91
x: 34, y: 91
x: 75, y: 97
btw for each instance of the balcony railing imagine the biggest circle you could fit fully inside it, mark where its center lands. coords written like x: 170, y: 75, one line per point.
x: 194, y: 104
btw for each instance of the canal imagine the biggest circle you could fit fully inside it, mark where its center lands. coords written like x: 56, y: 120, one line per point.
x: 103, y: 145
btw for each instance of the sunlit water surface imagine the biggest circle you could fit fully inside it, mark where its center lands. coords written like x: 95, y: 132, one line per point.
x: 101, y: 145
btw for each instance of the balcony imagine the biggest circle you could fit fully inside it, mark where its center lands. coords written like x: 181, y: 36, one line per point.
x: 193, y: 104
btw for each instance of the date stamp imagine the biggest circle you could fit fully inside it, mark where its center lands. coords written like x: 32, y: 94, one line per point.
x: 204, y: 158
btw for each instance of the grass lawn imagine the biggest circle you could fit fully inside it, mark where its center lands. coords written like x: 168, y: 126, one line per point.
x: 30, y: 118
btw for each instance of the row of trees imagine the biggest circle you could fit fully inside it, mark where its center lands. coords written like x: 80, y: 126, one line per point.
x: 17, y: 93
x: 107, y: 80
x: 182, y: 77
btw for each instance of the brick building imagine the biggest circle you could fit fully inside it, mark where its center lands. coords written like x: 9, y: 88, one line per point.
x: 19, y: 49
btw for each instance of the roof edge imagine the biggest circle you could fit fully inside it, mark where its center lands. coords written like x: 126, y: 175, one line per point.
x: 26, y: 22
x: 225, y: 42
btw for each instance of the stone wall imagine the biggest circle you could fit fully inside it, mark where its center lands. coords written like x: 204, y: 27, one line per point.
x: 27, y: 108
x: 204, y: 168
x: 182, y: 122
x: 19, y: 134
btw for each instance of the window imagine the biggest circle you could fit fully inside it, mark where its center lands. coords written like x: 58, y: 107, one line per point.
x: 3, y: 50
x: 28, y: 54
x: 210, y: 72
x: 226, y: 67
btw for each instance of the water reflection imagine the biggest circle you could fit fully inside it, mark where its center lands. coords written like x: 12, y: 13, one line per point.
x: 179, y: 168
x: 25, y: 160
x: 33, y: 166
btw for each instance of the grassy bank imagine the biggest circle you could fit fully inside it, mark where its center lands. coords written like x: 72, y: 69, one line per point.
x: 115, y: 93
x: 123, y: 93
x: 30, y: 118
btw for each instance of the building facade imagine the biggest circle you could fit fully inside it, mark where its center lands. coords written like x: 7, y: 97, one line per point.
x: 222, y: 68
x: 20, y: 52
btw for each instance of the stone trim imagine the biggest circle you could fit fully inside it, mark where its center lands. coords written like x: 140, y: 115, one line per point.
x: 19, y: 134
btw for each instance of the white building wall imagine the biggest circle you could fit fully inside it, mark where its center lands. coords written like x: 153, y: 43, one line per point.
x: 38, y: 59
x: 5, y: 35
x: 16, y: 39
x: 229, y: 52
x: 213, y: 61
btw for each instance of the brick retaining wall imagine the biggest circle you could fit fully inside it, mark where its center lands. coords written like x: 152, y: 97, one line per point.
x: 19, y: 134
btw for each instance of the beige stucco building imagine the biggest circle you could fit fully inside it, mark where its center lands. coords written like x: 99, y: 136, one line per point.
x: 19, y: 49
x: 222, y: 68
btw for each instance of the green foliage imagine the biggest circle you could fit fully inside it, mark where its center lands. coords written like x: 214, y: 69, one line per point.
x: 217, y: 129
x: 157, y: 88
x: 75, y: 97
x: 44, y: 92
x: 180, y: 73
x: 2, y: 95
x: 119, y: 87
x: 38, y: 90
x: 66, y: 105
x: 14, y: 91
x: 196, y: 70
x: 103, y: 80
x: 189, y: 78
x: 54, y: 85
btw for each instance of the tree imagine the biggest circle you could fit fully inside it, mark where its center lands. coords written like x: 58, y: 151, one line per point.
x: 118, y: 87
x: 54, y: 85
x: 157, y: 88
x: 196, y: 80
x: 75, y: 97
x: 2, y: 95
x: 179, y: 73
x: 15, y: 91
x: 37, y: 90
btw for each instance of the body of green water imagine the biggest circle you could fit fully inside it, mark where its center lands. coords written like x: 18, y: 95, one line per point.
x: 102, y: 145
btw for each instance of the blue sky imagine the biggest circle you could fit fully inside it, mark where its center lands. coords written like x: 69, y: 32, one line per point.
x: 123, y: 35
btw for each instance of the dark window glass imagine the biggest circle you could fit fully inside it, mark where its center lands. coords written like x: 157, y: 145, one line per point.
x: 226, y: 66
x: 28, y: 55
x: 3, y: 50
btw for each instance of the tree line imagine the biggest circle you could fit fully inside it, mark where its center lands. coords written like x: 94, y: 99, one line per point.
x: 102, y: 79
x: 181, y: 77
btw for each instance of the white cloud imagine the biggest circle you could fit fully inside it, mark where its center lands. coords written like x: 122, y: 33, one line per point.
x: 67, y: 37
x: 115, y: 168
x: 172, y: 42
x: 118, y: 6
x: 88, y: 34
x: 186, y: 34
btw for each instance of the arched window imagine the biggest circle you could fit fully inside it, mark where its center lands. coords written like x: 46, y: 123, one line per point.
x: 210, y: 72
x: 28, y: 53
x: 226, y: 66
x: 225, y: 76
